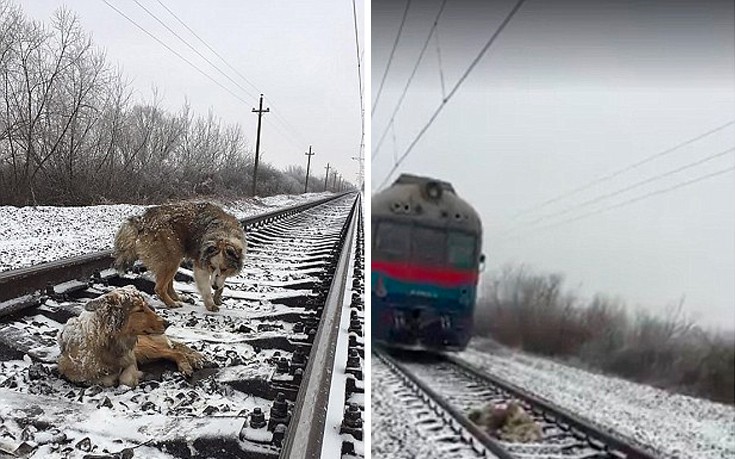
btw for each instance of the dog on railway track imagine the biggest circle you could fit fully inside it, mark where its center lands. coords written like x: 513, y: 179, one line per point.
x: 98, y: 346
x: 164, y: 235
x: 117, y: 332
x: 509, y: 423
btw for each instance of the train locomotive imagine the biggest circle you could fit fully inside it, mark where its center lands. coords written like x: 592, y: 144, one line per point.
x: 426, y: 258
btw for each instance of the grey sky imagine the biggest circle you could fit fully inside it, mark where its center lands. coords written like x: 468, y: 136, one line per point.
x: 572, y: 91
x: 301, y: 55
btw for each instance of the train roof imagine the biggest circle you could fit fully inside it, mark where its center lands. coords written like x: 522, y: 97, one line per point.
x: 427, y: 200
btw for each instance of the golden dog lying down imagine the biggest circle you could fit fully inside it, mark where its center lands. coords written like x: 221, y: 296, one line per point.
x: 509, y: 423
x: 114, y: 333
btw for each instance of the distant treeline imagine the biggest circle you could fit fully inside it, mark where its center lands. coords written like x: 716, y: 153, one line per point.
x: 71, y: 134
x: 532, y: 311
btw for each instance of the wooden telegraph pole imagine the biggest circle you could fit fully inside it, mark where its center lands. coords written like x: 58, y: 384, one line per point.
x: 260, y: 112
x: 326, y: 177
x: 308, y: 165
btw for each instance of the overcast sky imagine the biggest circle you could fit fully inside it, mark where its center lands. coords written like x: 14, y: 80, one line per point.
x: 572, y: 91
x: 301, y: 55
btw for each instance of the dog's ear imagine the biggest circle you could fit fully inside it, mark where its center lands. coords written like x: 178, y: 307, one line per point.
x: 125, y: 298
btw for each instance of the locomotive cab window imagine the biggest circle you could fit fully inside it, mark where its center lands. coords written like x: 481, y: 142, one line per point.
x: 392, y: 240
x: 428, y: 245
x: 461, y: 248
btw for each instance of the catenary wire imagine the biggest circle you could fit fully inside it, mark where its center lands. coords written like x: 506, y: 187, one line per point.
x: 455, y: 89
x: 359, y: 81
x: 627, y: 188
x: 390, y: 58
x: 627, y: 202
x: 623, y: 170
x: 410, y: 79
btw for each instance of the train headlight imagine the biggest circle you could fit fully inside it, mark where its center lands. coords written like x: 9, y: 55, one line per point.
x: 433, y: 190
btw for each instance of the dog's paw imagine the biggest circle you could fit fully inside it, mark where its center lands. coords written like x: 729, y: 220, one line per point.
x: 130, y: 378
x: 175, y: 305
x: 184, y: 367
x: 186, y: 298
x: 211, y: 306
x: 196, y: 360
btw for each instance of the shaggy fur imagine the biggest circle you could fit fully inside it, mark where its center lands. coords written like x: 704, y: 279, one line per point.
x: 163, y: 236
x: 509, y: 423
x: 159, y: 347
x: 97, y: 347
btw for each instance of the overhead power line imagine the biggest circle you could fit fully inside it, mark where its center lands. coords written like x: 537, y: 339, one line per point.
x: 182, y: 40
x: 177, y: 54
x: 628, y: 188
x: 633, y: 200
x: 162, y: 43
x: 359, y: 81
x: 392, y: 52
x: 410, y: 79
x: 275, y: 113
x: 207, y: 60
x: 209, y: 47
x: 455, y: 88
x: 623, y: 170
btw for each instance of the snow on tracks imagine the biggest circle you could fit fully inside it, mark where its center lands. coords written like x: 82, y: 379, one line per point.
x: 33, y: 235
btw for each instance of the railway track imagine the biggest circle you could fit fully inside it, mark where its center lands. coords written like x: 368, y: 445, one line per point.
x: 448, y: 388
x: 276, y: 338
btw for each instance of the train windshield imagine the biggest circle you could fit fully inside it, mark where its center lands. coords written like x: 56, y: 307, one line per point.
x: 428, y: 245
x: 393, y: 241
x: 425, y: 245
x: 461, y: 250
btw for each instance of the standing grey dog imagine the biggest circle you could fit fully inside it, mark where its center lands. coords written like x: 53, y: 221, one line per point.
x: 164, y: 235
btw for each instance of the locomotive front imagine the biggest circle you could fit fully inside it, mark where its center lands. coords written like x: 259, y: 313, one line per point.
x: 426, y: 253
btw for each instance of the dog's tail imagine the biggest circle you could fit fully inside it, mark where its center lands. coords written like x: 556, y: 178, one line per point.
x: 124, y: 252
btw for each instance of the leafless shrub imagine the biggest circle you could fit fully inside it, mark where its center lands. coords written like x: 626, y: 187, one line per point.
x: 528, y: 310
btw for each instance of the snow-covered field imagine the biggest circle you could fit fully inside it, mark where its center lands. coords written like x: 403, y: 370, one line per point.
x: 32, y: 235
x: 676, y: 425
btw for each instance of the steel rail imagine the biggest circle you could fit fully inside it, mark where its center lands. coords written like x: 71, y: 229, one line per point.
x: 484, y: 439
x: 33, y: 279
x: 612, y: 443
x: 306, y: 429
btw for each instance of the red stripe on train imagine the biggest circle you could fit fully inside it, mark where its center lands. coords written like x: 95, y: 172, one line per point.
x: 446, y: 277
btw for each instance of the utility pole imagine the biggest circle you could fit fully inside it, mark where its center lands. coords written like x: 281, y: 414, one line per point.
x: 326, y: 177
x: 361, y: 172
x: 334, y: 180
x: 260, y: 112
x: 308, y: 165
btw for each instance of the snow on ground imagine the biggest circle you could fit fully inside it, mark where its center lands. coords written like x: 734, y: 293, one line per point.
x: 676, y: 425
x: 33, y: 235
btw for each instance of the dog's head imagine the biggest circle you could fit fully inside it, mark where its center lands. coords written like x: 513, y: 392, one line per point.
x: 126, y: 311
x: 222, y: 258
